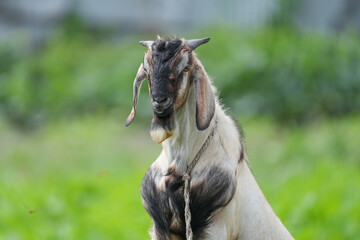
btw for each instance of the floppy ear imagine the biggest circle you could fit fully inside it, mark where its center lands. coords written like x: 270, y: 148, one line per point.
x: 140, y: 76
x: 205, y: 100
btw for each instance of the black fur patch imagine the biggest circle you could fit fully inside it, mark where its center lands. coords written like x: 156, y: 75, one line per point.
x: 156, y: 204
x: 164, y: 50
x: 162, y: 53
x: 167, y: 207
x: 164, y: 79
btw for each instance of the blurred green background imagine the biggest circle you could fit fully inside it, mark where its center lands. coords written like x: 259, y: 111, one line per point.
x: 69, y: 169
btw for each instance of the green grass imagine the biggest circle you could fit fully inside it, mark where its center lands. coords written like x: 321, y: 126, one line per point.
x: 83, y: 177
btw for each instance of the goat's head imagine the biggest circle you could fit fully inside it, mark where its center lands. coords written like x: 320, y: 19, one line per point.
x: 171, y: 67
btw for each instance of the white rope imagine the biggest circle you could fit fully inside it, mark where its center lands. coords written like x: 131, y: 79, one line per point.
x: 189, y: 234
x: 186, y: 178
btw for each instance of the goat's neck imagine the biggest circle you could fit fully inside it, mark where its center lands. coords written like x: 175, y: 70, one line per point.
x: 182, y: 147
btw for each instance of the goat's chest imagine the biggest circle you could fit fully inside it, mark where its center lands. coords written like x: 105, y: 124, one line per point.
x: 163, y: 199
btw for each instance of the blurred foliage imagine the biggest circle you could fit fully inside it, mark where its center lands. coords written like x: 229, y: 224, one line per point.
x: 70, y: 75
x: 82, y: 178
x: 284, y: 13
x: 289, y: 75
x: 285, y: 74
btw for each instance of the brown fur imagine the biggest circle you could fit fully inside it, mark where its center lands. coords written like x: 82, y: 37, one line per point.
x: 205, y: 100
x: 140, y: 77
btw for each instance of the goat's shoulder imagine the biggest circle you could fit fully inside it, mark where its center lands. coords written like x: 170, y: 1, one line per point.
x: 211, y: 189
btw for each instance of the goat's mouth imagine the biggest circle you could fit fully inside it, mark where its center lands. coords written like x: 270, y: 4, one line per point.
x: 164, y: 108
x: 163, y: 113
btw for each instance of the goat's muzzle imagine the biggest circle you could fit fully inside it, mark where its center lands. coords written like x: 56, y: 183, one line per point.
x: 162, y: 106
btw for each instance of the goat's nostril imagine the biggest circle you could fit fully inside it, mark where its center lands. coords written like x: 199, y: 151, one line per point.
x: 160, y: 99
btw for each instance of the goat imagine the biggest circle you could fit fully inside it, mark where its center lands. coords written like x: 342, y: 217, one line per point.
x: 225, y: 200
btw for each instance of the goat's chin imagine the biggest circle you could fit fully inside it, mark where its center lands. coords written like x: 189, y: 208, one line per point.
x: 159, y: 135
x: 162, y: 128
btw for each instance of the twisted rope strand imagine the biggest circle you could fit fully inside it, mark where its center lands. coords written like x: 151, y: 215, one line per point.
x: 189, y: 234
x: 186, y: 178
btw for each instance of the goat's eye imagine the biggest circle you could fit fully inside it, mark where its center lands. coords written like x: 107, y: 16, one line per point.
x: 186, y: 69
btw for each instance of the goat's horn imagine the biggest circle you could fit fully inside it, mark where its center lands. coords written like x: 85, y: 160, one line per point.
x: 146, y: 43
x: 194, y: 43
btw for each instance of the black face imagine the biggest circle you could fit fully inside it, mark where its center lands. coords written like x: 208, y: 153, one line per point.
x: 163, y: 76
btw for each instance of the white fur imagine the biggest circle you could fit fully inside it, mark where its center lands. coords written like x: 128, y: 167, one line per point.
x: 183, y: 84
x: 183, y: 63
x: 248, y: 215
x: 146, y: 65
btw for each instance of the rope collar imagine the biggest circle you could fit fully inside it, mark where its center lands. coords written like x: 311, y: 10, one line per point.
x: 187, y: 178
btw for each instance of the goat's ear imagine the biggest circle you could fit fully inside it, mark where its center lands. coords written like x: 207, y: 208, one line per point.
x: 205, y: 100
x: 140, y: 77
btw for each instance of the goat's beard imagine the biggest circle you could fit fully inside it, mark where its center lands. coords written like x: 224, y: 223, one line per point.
x: 162, y: 128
